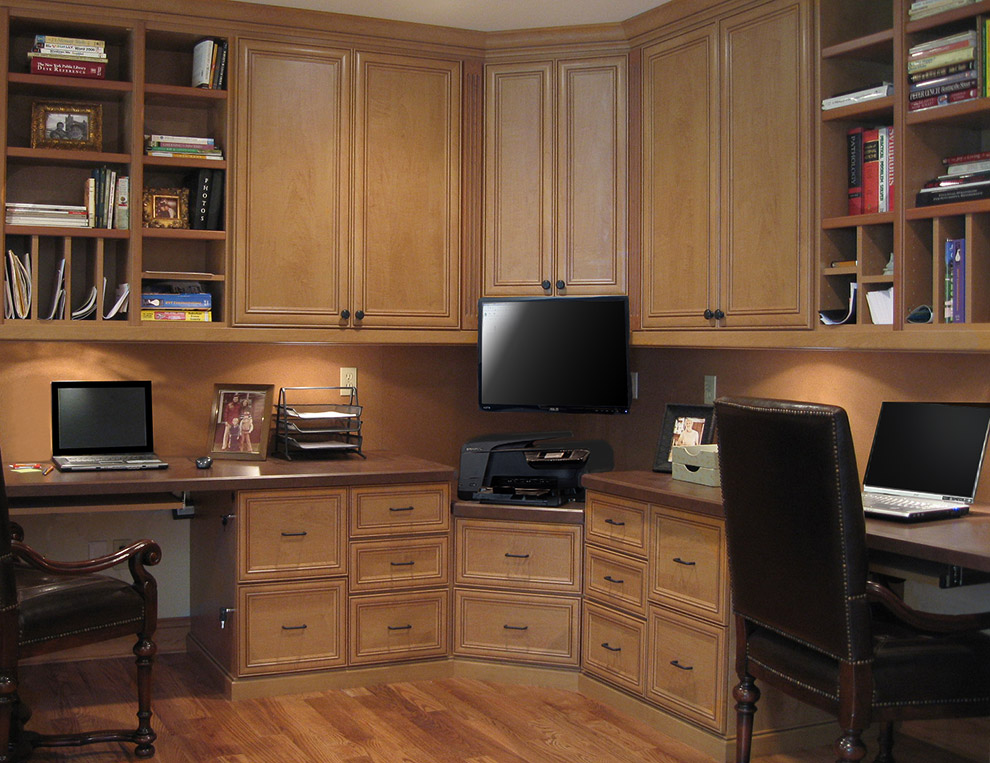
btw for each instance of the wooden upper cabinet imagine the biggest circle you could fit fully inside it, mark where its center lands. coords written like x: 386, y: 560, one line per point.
x: 555, y: 177
x: 407, y: 197
x: 292, y: 237
x: 726, y: 216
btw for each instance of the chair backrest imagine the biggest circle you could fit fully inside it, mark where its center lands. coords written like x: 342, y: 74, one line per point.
x: 8, y: 585
x: 794, y: 522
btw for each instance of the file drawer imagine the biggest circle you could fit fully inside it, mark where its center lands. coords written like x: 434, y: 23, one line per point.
x: 388, y: 628
x: 398, y: 563
x: 616, y: 523
x: 615, y: 580
x: 614, y: 647
x: 400, y: 509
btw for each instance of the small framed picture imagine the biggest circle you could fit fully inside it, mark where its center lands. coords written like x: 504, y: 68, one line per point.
x: 166, y: 207
x: 240, y: 421
x: 67, y: 124
x: 683, y: 425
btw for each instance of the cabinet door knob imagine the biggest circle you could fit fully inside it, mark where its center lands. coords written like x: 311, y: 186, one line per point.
x: 561, y: 285
x: 719, y: 315
x: 345, y: 314
x: 546, y: 285
x: 359, y: 315
x: 709, y: 315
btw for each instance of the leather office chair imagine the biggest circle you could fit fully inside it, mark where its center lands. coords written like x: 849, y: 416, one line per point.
x: 809, y: 620
x: 46, y: 606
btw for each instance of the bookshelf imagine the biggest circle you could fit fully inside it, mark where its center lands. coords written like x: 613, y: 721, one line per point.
x: 146, y: 88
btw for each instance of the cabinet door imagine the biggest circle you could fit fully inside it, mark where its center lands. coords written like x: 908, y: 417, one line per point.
x: 407, y: 196
x: 519, y: 130
x: 680, y: 181
x: 291, y: 185
x: 766, y: 167
x: 591, y: 176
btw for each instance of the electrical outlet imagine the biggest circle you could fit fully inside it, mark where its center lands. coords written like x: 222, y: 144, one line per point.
x: 96, y: 549
x: 348, y: 378
x: 709, y: 390
x: 120, y: 543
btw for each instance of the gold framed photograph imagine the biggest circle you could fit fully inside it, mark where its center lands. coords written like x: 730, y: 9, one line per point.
x: 166, y: 207
x: 67, y: 124
x: 240, y: 422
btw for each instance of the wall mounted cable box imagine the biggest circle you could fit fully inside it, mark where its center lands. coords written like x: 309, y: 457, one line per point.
x: 696, y: 463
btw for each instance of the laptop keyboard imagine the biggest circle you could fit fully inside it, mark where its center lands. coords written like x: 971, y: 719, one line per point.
x: 881, y: 501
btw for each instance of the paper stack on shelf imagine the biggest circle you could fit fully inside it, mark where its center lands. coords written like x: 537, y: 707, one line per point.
x: 57, y: 310
x: 17, y: 285
x: 881, y: 304
x: 843, y: 315
x: 54, y: 215
x: 868, y: 93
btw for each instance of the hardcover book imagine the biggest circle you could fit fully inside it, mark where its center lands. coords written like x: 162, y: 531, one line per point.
x: 64, y: 67
x: 854, y: 138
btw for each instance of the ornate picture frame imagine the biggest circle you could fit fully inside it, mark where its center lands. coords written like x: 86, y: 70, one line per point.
x: 683, y: 425
x: 67, y: 125
x: 165, y: 207
x: 239, y: 426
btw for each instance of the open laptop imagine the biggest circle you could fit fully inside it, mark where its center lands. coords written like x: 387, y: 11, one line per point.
x: 102, y: 426
x: 925, y: 461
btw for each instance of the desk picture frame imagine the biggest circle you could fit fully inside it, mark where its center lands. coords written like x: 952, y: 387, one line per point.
x: 683, y: 425
x: 239, y: 426
x: 67, y: 125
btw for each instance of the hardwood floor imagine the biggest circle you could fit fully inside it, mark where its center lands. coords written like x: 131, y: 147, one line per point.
x: 449, y: 720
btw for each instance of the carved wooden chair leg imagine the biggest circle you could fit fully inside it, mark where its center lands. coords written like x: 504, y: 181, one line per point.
x: 850, y: 747
x: 746, y: 695
x: 145, y: 650
x: 886, y: 740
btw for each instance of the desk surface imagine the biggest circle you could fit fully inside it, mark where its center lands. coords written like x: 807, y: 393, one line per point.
x: 380, y: 467
x: 964, y: 541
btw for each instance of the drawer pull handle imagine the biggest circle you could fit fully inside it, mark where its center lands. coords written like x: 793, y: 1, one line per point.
x: 400, y: 508
x: 681, y: 561
x: 516, y: 627
x: 615, y: 522
x: 678, y: 665
x: 299, y: 534
x: 516, y: 556
x: 610, y: 579
x: 402, y: 564
x: 400, y: 627
x: 294, y: 627
x: 606, y: 645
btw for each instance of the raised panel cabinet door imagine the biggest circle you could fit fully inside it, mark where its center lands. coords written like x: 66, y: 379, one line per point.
x: 407, y: 192
x: 766, y: 167
x: 592, y: 150
x: 291, y: 173
x: 680, y: 181
x: 519, y: 176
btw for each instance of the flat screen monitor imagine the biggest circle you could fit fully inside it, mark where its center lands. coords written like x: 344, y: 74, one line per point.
x: 559, y: 354
x: 96, y: 417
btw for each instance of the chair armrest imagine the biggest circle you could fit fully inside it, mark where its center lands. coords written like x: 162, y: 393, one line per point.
x: 139, y: 554
x: 16, y: 531
x: 926, y: 621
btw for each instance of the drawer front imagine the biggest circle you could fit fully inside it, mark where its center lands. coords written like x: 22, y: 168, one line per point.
x: 291, y: 534
x: 287, y: 628
x: 689, y: 565
x: 387, y: 628
x: 400, y: 509
x: 382, y: 565
x: 617, y: 581
x: 687, y: 671
x: 542, y: 629
x: 614, y: 647
x: 616, y: 523
x: 520, y: 555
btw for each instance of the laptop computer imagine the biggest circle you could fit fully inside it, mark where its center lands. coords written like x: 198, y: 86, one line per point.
x: 103, y: 425
x: 925, y: 460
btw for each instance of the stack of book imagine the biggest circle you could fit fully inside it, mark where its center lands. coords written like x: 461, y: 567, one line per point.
x: 955, y: 280
x: 107, y: 199
x: 176, y: 307
x: 68, y: 57
x: 209, y: 64
x: 967, y: 178
x: 921, y: 8
x: 181, y: 146
x: 870, y: 153
x: 948, y: 69
x: 54, y: 215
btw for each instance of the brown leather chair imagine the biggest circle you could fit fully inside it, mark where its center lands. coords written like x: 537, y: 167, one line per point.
x: 810, y: 621
x: 46, y: 606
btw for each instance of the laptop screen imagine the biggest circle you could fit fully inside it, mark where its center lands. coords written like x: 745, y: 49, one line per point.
x: 93, y: 418
x: 928, y: 449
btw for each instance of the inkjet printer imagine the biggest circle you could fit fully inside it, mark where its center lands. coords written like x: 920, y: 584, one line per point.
x: 514, y: 469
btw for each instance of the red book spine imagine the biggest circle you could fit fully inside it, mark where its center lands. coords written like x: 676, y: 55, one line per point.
x: 871, y: 171
x: 65, y: 68
x: 854, y: 138
x: 890, y: 169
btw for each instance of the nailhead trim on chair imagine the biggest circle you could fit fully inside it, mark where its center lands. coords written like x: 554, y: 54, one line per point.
x: 834, y: 697
x: 82, y: 630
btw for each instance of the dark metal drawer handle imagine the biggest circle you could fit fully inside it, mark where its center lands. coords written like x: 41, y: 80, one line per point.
x: 400, y: 508
x: 610, y: 579
x: 681, y: 561
x: 400, y: 627
x: 606, y: 645
x: 516, y: 556
x: 615, y: 522
x: 402, y: 564
x: 678, y: 665
x: 294, y: 535
x: 294, y: 627
x: 516, y: 627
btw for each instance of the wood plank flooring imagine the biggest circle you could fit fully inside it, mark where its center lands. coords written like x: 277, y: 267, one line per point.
x: 449, y: 720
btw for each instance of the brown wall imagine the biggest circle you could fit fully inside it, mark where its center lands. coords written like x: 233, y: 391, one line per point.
x: 422, y: 400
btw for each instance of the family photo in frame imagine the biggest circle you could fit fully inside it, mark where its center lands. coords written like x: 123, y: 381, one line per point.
x: 67, y: 125
x: 683, y: 425
x: 165, y: 207
x: 240, y: 421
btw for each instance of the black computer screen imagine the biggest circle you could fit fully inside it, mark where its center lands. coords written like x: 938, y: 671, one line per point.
x: 101, y: 417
